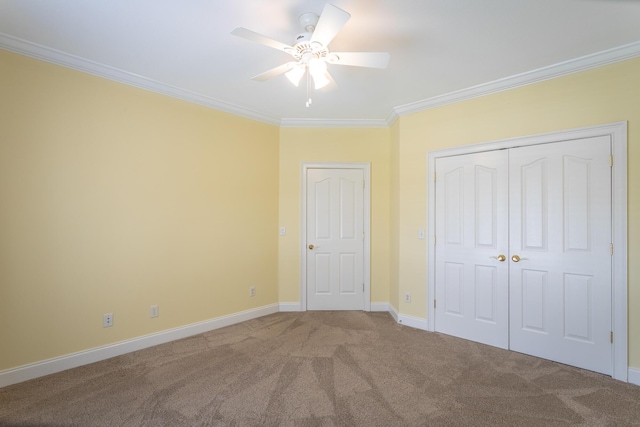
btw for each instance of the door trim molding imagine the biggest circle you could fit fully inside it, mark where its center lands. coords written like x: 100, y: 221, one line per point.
x: 366, y: 169
x: 618, y: 135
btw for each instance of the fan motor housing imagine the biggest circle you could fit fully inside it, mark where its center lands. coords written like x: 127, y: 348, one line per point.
x: 303, y: 37
x: 304, y: 46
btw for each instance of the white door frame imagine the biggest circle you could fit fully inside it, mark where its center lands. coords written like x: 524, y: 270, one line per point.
x: 366, y: 169
x: 618, y: 134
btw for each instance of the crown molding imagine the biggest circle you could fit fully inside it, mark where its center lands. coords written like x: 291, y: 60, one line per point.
x: 57, y: 57
x: 392, y: 117
x: 335, y: 123
x: 576, y: 65
x: 583, y: 63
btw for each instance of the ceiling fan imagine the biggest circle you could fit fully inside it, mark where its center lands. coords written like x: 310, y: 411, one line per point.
x: 310, y: 49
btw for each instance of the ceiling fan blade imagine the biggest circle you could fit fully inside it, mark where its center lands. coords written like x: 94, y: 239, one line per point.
x: 274, y: 72
x: 253, y: 36
x: 361, y: 59
x: 330, y: 22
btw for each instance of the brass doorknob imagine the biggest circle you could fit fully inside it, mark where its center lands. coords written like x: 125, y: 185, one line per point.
x: 515, y: 258
x: 501, y: 258
x: 311, y: 247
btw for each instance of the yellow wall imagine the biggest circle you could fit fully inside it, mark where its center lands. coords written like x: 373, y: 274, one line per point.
x: 604, y: 95
x: 394, y: 265
x: 298, y: 145
x: 113, y: 199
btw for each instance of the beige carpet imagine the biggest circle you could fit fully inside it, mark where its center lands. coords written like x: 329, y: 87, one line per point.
x: 322, y: 369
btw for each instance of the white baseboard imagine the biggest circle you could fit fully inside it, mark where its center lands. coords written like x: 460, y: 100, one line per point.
x: 295, y: 306
x: 393, y: 312
x: 379, y: 306
x: 414, y: 322
x: 57, y: 364
x: 634, y: 376
x: 404, y: 319
x: 289, y: 306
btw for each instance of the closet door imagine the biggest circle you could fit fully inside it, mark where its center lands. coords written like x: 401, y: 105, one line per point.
x: 560, y: 260
x: 472, y: 299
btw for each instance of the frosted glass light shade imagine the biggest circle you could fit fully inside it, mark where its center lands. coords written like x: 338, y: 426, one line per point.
x: 295, y: 74
x: 317, y: 69
x: 320, y: 81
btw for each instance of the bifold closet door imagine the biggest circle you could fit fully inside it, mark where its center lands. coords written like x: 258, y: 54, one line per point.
x: 560, y: 259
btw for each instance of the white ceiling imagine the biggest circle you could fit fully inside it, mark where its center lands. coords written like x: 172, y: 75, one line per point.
x: 439, y: 49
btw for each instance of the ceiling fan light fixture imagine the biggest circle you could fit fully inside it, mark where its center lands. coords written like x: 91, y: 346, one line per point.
x: 295, y: 75
x: 310, y: 50
x: 317, y: 69
x: 317, y: 65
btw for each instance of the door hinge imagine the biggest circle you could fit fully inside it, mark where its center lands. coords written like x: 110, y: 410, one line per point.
x: 362, y: 184
x: 434, y: 303
x: 434, y: 239
x: 611, y: 248
x: 611, y: 337
x: 611, y: 160
x: 363, y: 287
x: 434, y: 177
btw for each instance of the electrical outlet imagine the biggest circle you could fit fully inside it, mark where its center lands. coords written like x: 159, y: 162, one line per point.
x: 252, y: 291
x: 407, y: 297
x: 107, y: 320
x: 153, y: 311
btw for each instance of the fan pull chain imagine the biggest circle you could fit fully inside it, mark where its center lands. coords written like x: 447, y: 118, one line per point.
x: 308, y: 81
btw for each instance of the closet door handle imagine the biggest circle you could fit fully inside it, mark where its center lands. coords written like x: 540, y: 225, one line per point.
x: 516, y: 258
x: 500, y: 257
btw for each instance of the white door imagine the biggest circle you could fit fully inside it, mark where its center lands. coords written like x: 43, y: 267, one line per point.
x: 560, y: 229
x: 335, y: 239
x: 472, y: 288
x: 556, y: 205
